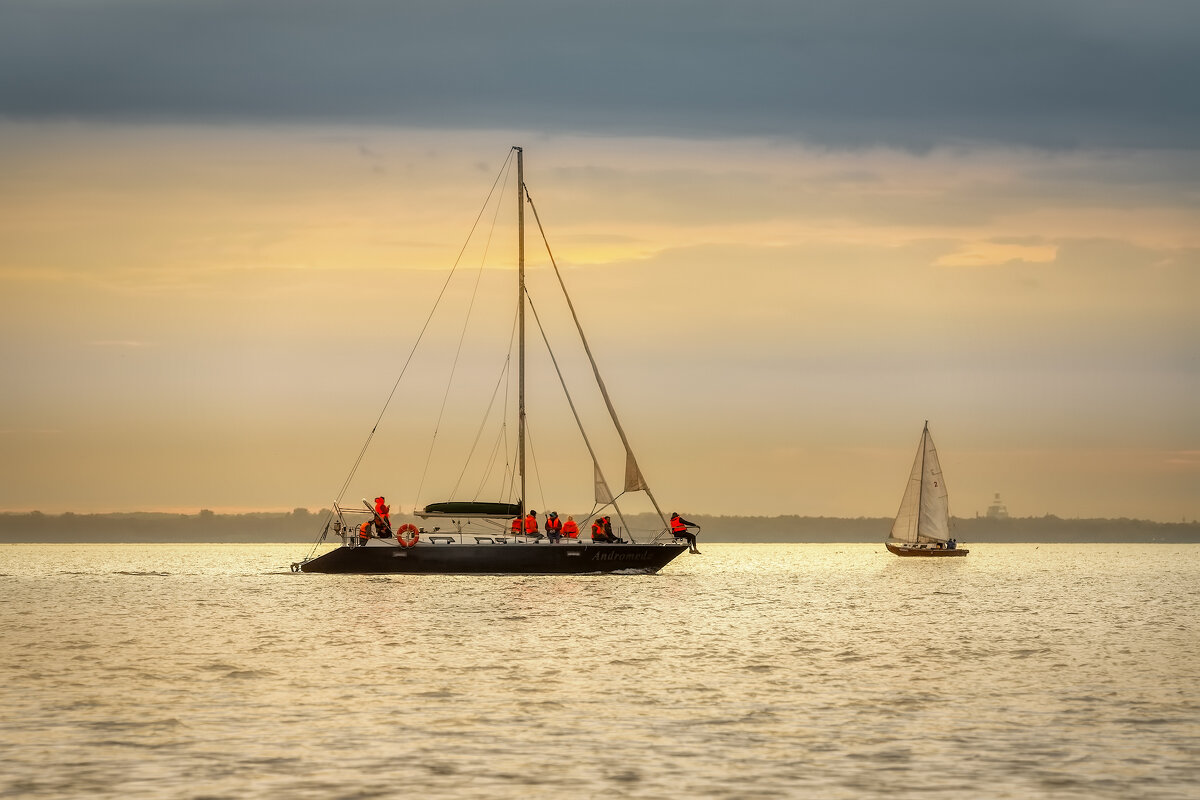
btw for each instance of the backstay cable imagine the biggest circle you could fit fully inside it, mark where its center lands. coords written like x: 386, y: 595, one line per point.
x: 457, y: 352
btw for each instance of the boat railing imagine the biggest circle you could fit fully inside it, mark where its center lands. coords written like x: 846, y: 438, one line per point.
x: 488, y: 530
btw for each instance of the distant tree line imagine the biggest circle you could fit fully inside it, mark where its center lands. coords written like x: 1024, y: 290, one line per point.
x: 301, y: 525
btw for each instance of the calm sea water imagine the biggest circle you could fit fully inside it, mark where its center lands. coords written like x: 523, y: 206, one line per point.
x: 208, y: 671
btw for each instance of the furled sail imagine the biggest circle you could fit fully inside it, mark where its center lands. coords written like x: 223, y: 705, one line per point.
x: 604, y: 495
x: 924, y: 514
x: 634, y: 482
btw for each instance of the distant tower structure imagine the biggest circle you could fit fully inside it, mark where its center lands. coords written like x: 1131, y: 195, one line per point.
x: 997, y: 510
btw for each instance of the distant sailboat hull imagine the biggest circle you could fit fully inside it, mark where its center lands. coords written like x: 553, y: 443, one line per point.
x: 923, y: 552
x: 494, y: 558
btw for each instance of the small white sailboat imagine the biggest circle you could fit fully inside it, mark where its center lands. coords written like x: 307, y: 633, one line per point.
x: 922, y: 525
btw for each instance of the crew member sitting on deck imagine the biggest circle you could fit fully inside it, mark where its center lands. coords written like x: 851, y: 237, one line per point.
x: 602, y: 531
x: 517, y: 526
x: 531, y: 525
x: 679, y: 529
x: 364, y: 533
x: 553, y: 527
x: 570, y: 528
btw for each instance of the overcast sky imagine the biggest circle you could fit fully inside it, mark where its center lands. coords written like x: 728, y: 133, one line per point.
x: 909, y: 74
x: 810, y: 227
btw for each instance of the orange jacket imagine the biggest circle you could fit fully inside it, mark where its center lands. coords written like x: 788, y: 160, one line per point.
x: 570, y: 529
x: 677, y: 525
x: 531, y: 524
x: 516, y: 526
x: 553, y: 525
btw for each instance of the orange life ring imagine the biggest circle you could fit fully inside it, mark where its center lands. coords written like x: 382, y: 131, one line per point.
x: 405, y: 541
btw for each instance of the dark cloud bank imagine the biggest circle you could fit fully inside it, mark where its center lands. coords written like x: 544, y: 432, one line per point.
x: 850, y: 73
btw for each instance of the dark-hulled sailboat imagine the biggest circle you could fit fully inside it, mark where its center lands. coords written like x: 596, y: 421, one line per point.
x: 478, y: 539
x: 922, y: 525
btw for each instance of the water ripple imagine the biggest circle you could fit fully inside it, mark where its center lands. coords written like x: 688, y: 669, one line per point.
x: 774, y: 671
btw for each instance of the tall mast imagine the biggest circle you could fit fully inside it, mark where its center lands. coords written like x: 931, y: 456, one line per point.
x: 921, y: 484
x: 521, y: 320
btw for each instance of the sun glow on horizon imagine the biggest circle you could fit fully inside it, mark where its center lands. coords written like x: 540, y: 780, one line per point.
x: 193, y: 307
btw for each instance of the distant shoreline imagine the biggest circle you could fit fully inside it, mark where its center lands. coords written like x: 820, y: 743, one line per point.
x: 302, y: 525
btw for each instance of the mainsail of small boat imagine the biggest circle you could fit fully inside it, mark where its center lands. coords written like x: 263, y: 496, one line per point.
x: 481, y: 539
x: 922, y: 525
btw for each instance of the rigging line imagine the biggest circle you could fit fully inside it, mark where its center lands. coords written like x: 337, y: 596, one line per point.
x: 321, y: 538
x: 482, y: 425
x: 512, y: 338
x: 570, y: 401
x: 505, y: 377
x: 595, y: 370
x: 421, y: 334
x: 458, y: 350
x: 536, y: 471
x: 491, y: 463
x: 509, y: 469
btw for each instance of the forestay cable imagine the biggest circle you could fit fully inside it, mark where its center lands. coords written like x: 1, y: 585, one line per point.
x: 571, y: 402
x: 631, y: 462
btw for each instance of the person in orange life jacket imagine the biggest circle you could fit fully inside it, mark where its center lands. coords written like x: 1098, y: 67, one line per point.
x: 364, y: 533
x: 518, y: 525
x: 531, y: 525
x: 383, y: 520
x: 608, y: 531
x: 679, y: 529
x: 570, y: 528
x: 602, y: 531
x: 553, y: 527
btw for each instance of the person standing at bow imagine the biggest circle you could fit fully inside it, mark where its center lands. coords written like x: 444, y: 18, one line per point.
x: 679, y: 529
x: 553, y: 527
x: 383, y: 519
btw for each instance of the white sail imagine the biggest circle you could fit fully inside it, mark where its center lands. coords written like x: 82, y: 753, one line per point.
x: 924, y: 514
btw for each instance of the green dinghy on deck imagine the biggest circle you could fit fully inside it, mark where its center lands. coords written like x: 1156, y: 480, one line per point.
x: 471, y: 509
